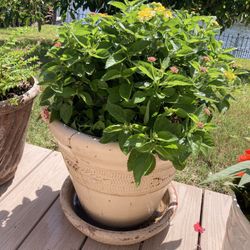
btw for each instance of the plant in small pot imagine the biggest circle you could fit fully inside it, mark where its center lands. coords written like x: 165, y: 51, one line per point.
x: 131, y: 96
x: 237, y: 177
x: 17, y: 90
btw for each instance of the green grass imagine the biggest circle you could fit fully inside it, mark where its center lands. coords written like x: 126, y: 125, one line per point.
x: 244, y: 63
x: 232, y: 126
x: 29, y: 34
x: 38, y: 132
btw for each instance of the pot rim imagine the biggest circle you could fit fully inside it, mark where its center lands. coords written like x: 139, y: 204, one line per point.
x: 73, y: 132
x: 6, y: 106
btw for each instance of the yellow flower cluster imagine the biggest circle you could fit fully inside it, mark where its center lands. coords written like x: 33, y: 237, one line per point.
x: 104, y: 15
x: 229, y: 75
x: 147, y: 13
x: 168, y: 14
x: 215, y: 23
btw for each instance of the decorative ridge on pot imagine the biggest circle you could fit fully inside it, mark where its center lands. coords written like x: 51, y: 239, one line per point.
x: 6, y: 106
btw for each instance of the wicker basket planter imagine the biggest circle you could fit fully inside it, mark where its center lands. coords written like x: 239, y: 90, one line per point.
x: 13, y: 124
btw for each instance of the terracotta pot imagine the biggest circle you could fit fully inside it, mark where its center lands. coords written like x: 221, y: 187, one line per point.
x: 237, y: 231
x: 13, y: 124
x: 105, y: 188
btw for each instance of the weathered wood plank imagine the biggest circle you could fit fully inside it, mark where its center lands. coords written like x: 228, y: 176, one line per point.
x: 22, y: 209
x: 56, y: 232
x: 32, y: 156
x: 93, y: 245
x: 180, y: 234
x: 216, y: 208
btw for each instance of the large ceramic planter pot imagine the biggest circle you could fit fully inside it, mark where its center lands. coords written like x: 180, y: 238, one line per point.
x: 105, y: 188
x: 13, y: 124
x: 237, y: 235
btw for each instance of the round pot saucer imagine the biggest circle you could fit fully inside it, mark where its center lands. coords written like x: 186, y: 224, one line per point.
x: 126, y: 236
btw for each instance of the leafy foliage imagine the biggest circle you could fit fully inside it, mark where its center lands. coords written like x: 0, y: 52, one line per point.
x: 148, y: 78
x: 16, y: 66
x: 15, y: 13
x: 227, y: 12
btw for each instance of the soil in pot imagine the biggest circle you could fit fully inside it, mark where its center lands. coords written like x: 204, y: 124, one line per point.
x: 14, y: 117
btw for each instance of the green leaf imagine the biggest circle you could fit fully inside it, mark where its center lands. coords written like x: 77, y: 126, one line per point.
x: 141, y: 164
x: 138, y: 46
x: 111, y: 74
x: 109, y: 137
x: 68, y: 92
x: 99, y: 125
x: 139, y: 97
x: 128, y: 72
x: 114, y: 59
x: 101, y: 53
x: 229, y: 171
x: 118, y: 5
x: 117, y: 112
x: 86, y: 97
x: 165, y: 63
x: 113, y: 129
x: 125, y: 90
x: 135, y: 141
x: 123, y: 136
x: 111, y: 133
x: 176, y: 83
x: 185, y: 51
x: 165, y: 136
x: 226, y: 57
x: 164, y: 153
x: 47, y: 93
x: 66, y: 111
x: 245, y: 179
x: 147, y: 113
x: 147, y: 69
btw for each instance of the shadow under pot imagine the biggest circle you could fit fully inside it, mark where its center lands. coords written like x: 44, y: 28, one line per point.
x: 14, y: 117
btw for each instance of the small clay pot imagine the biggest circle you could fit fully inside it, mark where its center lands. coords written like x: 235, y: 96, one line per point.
x: 237, y: 236
x: 105, y: 188
x: 13, y: 123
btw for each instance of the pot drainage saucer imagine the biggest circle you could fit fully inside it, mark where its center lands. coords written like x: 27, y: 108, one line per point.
x: 127, y: 236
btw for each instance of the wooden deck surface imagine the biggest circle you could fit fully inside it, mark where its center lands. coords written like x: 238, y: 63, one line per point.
x: 31, y: 217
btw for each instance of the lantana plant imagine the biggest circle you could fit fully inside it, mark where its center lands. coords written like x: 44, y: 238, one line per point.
x: 148, y: 78
x: 238, y: 178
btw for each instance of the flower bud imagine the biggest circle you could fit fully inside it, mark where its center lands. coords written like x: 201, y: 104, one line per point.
x: 174, y: 70
x: 151, y: 59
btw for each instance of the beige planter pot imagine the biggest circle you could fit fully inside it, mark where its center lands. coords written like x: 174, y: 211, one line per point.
x: 105, y: 188
x: 237, y: 235
x: 13, y: 124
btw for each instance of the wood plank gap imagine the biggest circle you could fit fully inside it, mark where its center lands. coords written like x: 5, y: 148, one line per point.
x: 37, y: 222
x: 84, y: 241
x: 201, y: 213
x: 18, y: 183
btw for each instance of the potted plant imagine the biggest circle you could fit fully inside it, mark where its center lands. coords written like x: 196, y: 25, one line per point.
x: 134, y: 91
x: 17, y: 90
x: 238, y: 224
